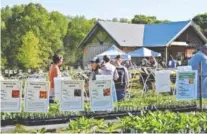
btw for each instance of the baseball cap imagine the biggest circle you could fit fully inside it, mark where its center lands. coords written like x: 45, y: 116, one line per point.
x: 95, y: 60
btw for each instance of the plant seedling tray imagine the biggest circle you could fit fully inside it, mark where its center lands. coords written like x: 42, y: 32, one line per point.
x: 103, y: 115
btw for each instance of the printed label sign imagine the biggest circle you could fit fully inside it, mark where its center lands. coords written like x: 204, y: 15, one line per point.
x: 72, y: 95
x: 184, y: 68
x: 57, y: 84
x: 36, y: 96
x: 162, y: 81
x: 101, y: 95
x: 186, y: 85
x: 10, y: 96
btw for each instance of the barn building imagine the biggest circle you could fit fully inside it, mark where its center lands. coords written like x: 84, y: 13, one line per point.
x: 173, y: 38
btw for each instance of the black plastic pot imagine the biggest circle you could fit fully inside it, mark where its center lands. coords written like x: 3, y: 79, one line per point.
x: 107, y: 115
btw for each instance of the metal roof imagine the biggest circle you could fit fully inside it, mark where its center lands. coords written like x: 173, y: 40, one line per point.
x: 124, y: 34
x: 144, y: 35
x: 162, y: 34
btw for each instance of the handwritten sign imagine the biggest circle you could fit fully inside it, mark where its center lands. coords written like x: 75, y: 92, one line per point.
x: 162, y: 81
x: 101, y: 95
x: 72, y: 95
x: 10, y: 96
x: 36, y: 96
x: 186, y: 85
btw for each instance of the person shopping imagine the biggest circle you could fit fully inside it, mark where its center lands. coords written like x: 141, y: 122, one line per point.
x: 109, y: 69
x: 200, y: 57
x: 122, y: 82
x: 54, y: 71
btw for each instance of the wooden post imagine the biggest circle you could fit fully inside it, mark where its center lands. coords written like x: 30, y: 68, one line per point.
x: 166, y: 56
x: 200, y: 85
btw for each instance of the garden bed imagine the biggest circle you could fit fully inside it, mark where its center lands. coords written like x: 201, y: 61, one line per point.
x: 31, y: 121
x: 149, y: 122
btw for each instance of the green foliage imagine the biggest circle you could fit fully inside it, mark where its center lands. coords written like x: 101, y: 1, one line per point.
x: 142, y: 19
x: 151, y: 122
x: 201, y: 20
x: 40, y: 131
x: 48, y: 28
x: 19, y: 129
x: 78, y: 27
x: 122, y: 20
x: 28, y: 54
x: 162, y: 122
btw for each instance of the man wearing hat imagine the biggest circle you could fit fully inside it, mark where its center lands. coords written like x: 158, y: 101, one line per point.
x: 122, y: 82
x: 200, y: 57
x: 95, y: 68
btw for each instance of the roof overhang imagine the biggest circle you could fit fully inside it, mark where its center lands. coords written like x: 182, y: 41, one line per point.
x: 191, y: 23
x: 179, y: 43
x: 89, y: 34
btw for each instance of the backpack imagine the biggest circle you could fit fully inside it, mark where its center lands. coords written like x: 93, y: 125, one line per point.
x: 120, y: 82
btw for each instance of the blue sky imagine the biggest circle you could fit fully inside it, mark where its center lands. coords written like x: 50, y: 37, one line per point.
x: 174, y: 10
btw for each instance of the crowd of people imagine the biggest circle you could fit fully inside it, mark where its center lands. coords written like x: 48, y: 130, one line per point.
x: 116, y: 70
x: 119, y: 72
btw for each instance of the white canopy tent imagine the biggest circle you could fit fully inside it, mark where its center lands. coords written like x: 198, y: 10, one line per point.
x: 144, y: 52
x: 113, y: 52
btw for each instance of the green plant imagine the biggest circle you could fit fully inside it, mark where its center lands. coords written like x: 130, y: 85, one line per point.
x: 162, y: 122
x: 85, y: 125
x: 18, y: 129
x: 40, y: 131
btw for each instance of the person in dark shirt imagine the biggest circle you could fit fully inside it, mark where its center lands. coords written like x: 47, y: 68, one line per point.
x: 122, y: 82
x: 95, y: 68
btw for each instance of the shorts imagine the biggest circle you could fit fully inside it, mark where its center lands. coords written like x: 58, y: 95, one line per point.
x: 52, y: 99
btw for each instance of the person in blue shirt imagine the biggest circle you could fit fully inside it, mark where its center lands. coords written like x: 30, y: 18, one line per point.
x: 172, y: 63
x: 205, y: 88
x: 200, y: 57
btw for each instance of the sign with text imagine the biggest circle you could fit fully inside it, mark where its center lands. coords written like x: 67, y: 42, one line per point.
x: 72, y: 95
x: 10, y: 96
x: 186, y: 85
x: 101, y: 95
x: 162, y: 81
x: 57, y: 84
x: 36, y: 96
x: 184, y: 68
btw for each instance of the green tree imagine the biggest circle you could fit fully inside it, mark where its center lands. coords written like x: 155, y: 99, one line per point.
x: 28, y: 54
x: 142, y: 19
x: 115, y: 20
x: 201, y: 20
x: 49, y: 28
x: 78, y: 27
x: 124, y: 20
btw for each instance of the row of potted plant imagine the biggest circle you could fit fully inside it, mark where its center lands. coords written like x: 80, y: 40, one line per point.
x: 150, y: 122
